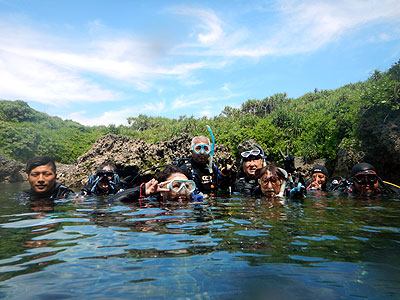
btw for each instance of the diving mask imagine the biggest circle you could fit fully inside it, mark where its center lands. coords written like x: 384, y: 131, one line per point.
x: 177, y: 185
x: 202, y: 148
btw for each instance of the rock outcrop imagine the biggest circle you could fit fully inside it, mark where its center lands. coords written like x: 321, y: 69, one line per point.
x: 131, y: 156
x: 11, y: 170
x: 379, y: 145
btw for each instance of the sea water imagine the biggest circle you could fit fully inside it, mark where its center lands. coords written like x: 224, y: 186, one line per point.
x: 327, y: 246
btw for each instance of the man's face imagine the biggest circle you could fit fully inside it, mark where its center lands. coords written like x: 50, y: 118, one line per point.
x: 104, y: 183
x: 270, y: 184
x: 250, y: 166
x: 366, y: 184
x: 42, y: 178
x: 202, y: 157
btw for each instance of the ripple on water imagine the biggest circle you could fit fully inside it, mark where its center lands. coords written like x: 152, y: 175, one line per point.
x: 252, y: 233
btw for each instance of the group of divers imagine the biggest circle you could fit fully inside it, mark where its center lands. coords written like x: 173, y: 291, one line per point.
x: 198, y: 177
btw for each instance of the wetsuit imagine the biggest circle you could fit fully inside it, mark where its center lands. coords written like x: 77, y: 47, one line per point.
x: 206, y: 182
x: 57, y: 191
x: 245, y: 185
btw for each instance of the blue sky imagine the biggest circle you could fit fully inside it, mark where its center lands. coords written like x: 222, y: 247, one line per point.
x: 98, y: 62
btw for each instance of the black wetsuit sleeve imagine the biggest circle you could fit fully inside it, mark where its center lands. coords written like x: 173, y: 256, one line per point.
x: 86, y: 189
x: 128, y: 195
x: 64, y: 192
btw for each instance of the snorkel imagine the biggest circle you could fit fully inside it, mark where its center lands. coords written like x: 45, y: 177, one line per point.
x: 283, y: 184
x: 264, y: 163
x: 210, y: 159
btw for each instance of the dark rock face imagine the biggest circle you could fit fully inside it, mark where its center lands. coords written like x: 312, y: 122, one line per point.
x: 11, y: 170
x: 379, y: 145
x: 131, y: 156
x: 347, y: 157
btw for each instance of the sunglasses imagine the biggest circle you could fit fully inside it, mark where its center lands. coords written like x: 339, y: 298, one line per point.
x: 177, y: 185
x: 365, y: 178
x: 202, y: 148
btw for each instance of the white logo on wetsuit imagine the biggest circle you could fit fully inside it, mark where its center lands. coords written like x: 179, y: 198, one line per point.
x: 206, y: 179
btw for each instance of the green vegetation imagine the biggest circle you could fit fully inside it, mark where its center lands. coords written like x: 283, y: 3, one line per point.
x: 312, y: 126
x: 25, y: 132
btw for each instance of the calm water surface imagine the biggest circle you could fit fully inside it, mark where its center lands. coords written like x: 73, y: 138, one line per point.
x: 325, y: 247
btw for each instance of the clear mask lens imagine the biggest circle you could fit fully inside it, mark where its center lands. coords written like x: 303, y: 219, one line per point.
x: 177, y: 185
x: 254, y: 152
x: 202, y: 148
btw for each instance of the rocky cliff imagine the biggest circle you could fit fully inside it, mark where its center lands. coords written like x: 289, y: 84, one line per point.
x: 11, y: 171
x: 379, y: 145
x: 132, y: 156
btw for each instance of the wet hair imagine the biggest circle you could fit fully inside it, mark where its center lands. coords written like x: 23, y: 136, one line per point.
x: 320, y: 169
x: 38, y: 161
x: 105, y: 164
x: 170, y: 169
x: 275, y: 171
x: 197, y: 138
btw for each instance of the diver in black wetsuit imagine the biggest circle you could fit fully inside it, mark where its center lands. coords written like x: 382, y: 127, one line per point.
x: 42, y: 176
x: 366, y: 182
x: 251, y: 161
x: 105, y: 182
x: 208, y: 178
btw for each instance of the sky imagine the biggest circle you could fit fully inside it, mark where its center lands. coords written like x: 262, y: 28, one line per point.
x: 99, y: 62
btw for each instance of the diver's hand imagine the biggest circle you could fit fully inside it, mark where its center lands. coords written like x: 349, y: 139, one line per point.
x: 298, y: 191
x: 315, y: 185
x: 151, y: 187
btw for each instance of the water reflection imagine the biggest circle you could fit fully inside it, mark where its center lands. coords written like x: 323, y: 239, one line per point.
x: 233, y: 247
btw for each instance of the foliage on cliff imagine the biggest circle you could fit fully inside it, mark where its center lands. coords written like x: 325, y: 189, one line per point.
x: 311, y: 126
x: 25, y: 132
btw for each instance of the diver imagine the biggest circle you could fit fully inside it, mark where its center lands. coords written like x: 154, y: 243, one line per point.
x: 366, y: 182
x: 250, y: 161
x: 272, y: 181
x: 207, y: 176
x: 105, y: 182
x: 319, y: 178
x: 170, y: 184
x: 42, y: 177
x: 294, y: 176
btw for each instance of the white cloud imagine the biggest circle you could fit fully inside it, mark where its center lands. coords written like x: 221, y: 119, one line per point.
x: 210, y: 25
x: 117, y: 117
x: 58, y: 71
x: 206, y: 113
x: 203, y: 98
x: 30, y: 79
x: 307, y: 25
x: 301, y: 26
x: 107, y: 118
